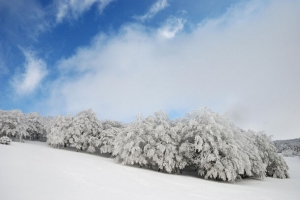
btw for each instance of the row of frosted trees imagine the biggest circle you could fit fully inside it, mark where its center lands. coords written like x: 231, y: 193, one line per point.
x: 202, y: 140
x: 18, y: 125
x: 288, y: 147
x: 83, y: 132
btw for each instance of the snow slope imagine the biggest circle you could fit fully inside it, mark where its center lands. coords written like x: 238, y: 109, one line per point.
x: 33, y: 170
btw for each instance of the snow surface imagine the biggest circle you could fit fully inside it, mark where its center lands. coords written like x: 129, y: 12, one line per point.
x: 34, y: 170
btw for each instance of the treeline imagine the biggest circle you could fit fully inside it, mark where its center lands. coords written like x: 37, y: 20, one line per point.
x: 202, y: 140
x: 288, y: 147
x: 83, y: 132
x: 19, y: 126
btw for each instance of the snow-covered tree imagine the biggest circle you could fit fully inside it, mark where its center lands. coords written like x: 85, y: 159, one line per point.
x: 185, y: 146
x: 254, y: 166
x: 130, y: 142
x: 87, y: 130
x: 13, y: 124
x: 108, y: 135
x: 149, y: 142
x: 215, y: 151
x: 161, y: 149
x: 214, y: 146
x: 46, y: 122
x: 203, y: 140
x: 275, y: 165
x: 35, y: 124
x: 60, y: 131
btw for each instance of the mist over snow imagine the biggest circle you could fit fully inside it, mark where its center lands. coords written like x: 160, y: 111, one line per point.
x: 244, y: 63
x: 122, y: 58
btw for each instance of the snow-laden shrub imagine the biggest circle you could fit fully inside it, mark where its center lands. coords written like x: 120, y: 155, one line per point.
x: 5, y: 140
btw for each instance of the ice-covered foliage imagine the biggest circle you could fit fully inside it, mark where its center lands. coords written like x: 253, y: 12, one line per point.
x: 86, y: 131
x: 161, y: 149
x: 275, y: 164
x: 13, y: 124
x: 108, y: 135
x: 36, y: 128
x: 82, y: 132
x: 254, y: 166
x: 150, y: 142
x: 130, y: 142
x: 60, y: 131
x: 219, y: 149
x: 202, y: 140
x: 5, y: 140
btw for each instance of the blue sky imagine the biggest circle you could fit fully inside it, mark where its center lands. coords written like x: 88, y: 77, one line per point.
x: 121, y: 58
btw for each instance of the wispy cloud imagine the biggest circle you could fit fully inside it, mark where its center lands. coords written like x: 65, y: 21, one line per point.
x: 154, y: 9
x: 34, y: 71
x: 244, y: 63
x: 70, y: 9
x: 172, y: 26
x: 27, y: 17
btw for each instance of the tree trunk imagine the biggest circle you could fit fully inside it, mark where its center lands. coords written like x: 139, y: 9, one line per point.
x: 21, y: 140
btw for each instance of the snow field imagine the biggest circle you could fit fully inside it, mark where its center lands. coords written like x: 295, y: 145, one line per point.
x: 34, y: 170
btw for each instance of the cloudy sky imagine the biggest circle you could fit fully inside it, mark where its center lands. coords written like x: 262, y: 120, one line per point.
x: 120, y: 58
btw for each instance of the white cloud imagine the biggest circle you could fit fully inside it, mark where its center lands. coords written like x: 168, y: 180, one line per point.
x: 35, y: 71
x: 245, y: 63
x: 154, y: 9
x: 72, y: 9
x: 171, y: 27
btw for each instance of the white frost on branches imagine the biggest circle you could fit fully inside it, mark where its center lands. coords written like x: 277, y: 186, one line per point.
x: 202, y: 140
x: 13, y: 124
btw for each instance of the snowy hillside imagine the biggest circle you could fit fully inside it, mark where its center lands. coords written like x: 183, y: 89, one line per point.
x: 33, y: 170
